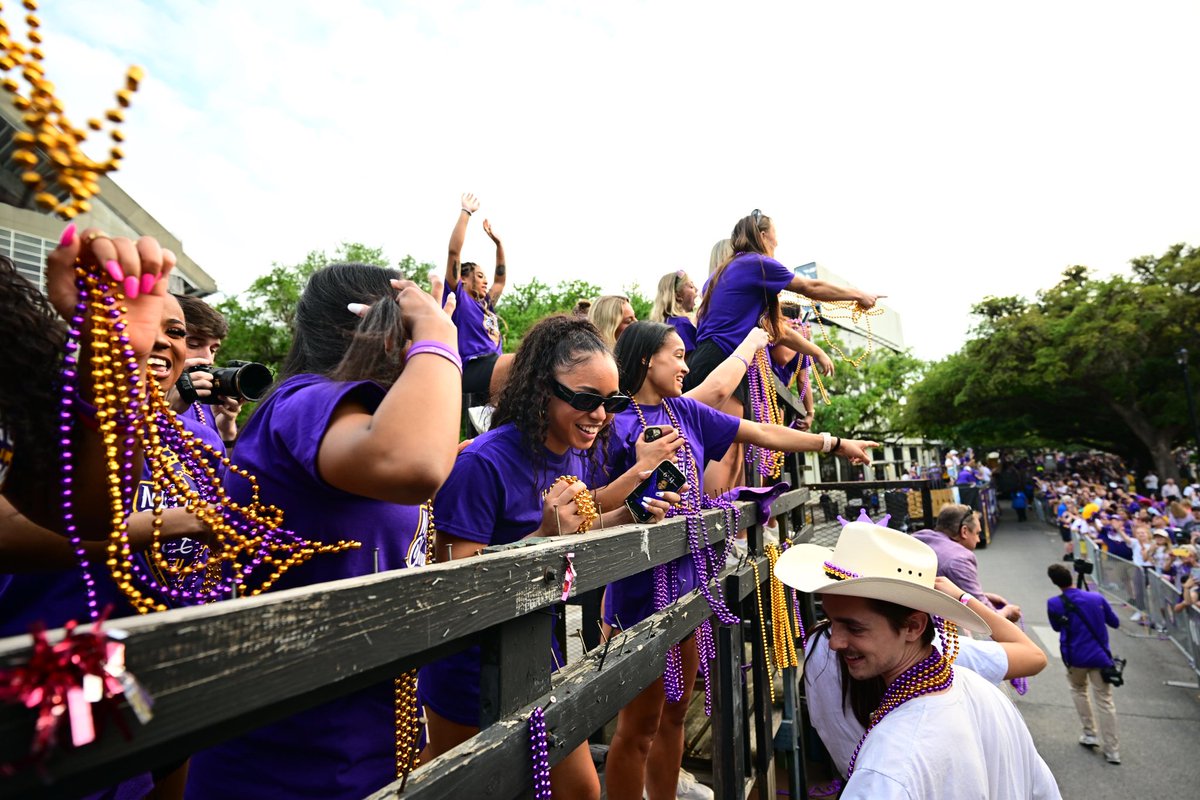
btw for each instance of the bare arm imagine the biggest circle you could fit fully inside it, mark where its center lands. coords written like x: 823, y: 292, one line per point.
x: 823, y: 290
x: 1025, y: 658
x: 501, y: 275
x: 25, y: 546
x: 722, y: 381
x: 470, y: 204
x: 788, y: 440
x: 403, y: 451
x: 795, y: 340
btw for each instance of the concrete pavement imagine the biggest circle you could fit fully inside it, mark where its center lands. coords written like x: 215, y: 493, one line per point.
x: 1158, y: 724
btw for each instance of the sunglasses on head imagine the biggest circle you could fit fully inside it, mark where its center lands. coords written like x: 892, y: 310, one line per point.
x: 757, y: 216
x: 590, y: 401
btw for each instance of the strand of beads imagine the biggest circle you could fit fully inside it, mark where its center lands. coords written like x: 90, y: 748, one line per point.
x: 539, y: 751
x: 585, y: 505
x: 932, y: 674
x: 764, y: 405
x: 762, y: 621
x: 855, y: 312
x: 666, y: 592
x: 76, y: 176
x: 408, y: 724
x: 781, y: 622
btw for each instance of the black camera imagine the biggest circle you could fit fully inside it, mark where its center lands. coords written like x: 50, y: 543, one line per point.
x: 244, y: 380
x: 1083, y: 566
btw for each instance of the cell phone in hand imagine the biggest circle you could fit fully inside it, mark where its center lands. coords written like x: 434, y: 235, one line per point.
x: 653, y: 433
x: 666, y: 477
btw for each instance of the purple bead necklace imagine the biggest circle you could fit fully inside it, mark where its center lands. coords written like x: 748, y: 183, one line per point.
x: 539, y: 751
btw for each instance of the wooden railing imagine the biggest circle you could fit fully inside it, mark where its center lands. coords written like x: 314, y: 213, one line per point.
x: 220, y: 670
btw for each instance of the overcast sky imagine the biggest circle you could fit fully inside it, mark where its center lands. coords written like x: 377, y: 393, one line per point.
x: 932, y: 152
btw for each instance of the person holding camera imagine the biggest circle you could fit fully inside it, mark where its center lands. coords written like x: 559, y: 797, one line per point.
x: 223, y: 389
x: 1080, y: 618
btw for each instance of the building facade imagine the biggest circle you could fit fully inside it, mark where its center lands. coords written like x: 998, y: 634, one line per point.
x: 28, y: 234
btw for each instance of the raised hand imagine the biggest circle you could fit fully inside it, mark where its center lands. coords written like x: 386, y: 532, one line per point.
x: 470, y: 203
x: 487, y: 228
x: 424, y: 315
x: 138, y: 271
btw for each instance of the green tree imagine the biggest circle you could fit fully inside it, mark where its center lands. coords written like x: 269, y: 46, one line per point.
x: 261, y: 318
x: 521, y: 306
x: 868, y: 401
x: 1089, y: 362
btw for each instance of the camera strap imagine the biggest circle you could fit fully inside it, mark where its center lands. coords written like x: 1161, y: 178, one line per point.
x: 1069, y: 606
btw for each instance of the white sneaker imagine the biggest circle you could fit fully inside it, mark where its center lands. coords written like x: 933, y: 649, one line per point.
x: 1088, y: 740
x: 1137, y: 617
x: 481, y: 417
x: 736, y: 553
x: 771, y: 533
x: 689, y: 788
x: 1113, y: 757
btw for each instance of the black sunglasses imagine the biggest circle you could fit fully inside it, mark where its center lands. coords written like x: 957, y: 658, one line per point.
x: 968, y: 514
x: 590, y: 401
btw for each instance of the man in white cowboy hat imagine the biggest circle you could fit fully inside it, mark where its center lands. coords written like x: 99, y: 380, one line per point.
x: 931, y: 731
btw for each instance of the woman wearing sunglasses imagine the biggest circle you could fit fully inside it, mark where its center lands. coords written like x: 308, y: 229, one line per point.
x: 648, y: 744
x: 742, y: 293
x: 552, y: 416
x: 674, y: 303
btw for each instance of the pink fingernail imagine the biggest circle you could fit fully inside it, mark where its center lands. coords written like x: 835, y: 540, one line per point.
x: 68, y: 236
x: 131, y: 287
x: 114, y: 269
x: 148, y: 281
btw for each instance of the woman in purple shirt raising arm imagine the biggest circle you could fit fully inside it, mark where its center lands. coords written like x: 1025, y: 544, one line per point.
x: 485, y: 364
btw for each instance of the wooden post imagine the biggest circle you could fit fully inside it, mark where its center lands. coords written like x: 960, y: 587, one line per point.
x: 514, y: 666
x: 729, y: 765
x: 927, y: 505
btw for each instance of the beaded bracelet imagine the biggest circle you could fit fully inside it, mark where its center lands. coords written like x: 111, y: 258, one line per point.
x: 435, y: 348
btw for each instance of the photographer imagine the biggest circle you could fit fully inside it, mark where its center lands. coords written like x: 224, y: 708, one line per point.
x: 1080, y: 618
x: 206, y: 330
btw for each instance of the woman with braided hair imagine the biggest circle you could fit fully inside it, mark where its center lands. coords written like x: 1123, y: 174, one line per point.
x: 528, y: 476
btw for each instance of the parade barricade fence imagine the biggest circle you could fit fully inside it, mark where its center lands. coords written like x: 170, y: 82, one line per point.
x: 221, y: 670
x: 1154, y: 596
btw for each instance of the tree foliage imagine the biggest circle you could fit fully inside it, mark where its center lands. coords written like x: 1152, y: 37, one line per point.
x: 868, y: 401
x: 261, y: 318
x: 1088, y: 362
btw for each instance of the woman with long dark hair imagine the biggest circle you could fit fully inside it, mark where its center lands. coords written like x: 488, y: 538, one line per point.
x: 648, y: 744
x: 508, y: 484
x: 359, y: 430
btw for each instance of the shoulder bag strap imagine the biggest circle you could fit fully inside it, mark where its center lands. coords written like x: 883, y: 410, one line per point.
x: 1072, y: 607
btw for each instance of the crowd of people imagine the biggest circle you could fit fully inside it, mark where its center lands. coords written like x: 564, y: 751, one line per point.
x: 359, y: 438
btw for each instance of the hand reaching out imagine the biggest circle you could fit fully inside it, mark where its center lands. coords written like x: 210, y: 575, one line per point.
x: 470, y: 203
x: 856, y: 451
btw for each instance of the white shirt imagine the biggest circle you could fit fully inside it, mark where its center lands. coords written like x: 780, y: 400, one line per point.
x: 968, y: 743
x: 838, y: 728
x: 1151, y: 481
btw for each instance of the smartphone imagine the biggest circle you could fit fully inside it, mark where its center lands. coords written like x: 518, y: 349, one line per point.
x: 653, y: 433
x: 666, y: 477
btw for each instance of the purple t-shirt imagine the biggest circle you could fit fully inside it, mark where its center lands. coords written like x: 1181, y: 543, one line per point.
x: 785, y: 372
x: 493, y: 496
x: 476, y: 321
x: 740, y: 299
x: 344, y: 748
x: 57, y: 596
x: 709, y: 433
x: 955, y: 562
x: 686, y: 330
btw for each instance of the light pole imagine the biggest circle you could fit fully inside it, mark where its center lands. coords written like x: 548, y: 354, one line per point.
x: 1181, y: 358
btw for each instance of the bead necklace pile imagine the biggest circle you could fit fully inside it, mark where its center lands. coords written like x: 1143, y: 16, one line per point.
x: 585, y: 505
x: 77, y: 177
x: 932, y: 674
x: 704, y: 560
x: 764, y: 406
x: 539, y: 751
x: 132, y: 412
x: 785, y: 628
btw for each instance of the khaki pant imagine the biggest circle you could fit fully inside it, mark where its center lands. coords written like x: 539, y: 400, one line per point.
x: 1102, y: 694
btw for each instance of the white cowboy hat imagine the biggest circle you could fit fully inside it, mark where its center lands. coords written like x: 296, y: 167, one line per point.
x: 876, y: 562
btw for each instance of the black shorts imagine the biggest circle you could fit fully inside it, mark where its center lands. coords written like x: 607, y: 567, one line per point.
x: 704, y: 359
x: 1064, y: 533
x: 477, y: 375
